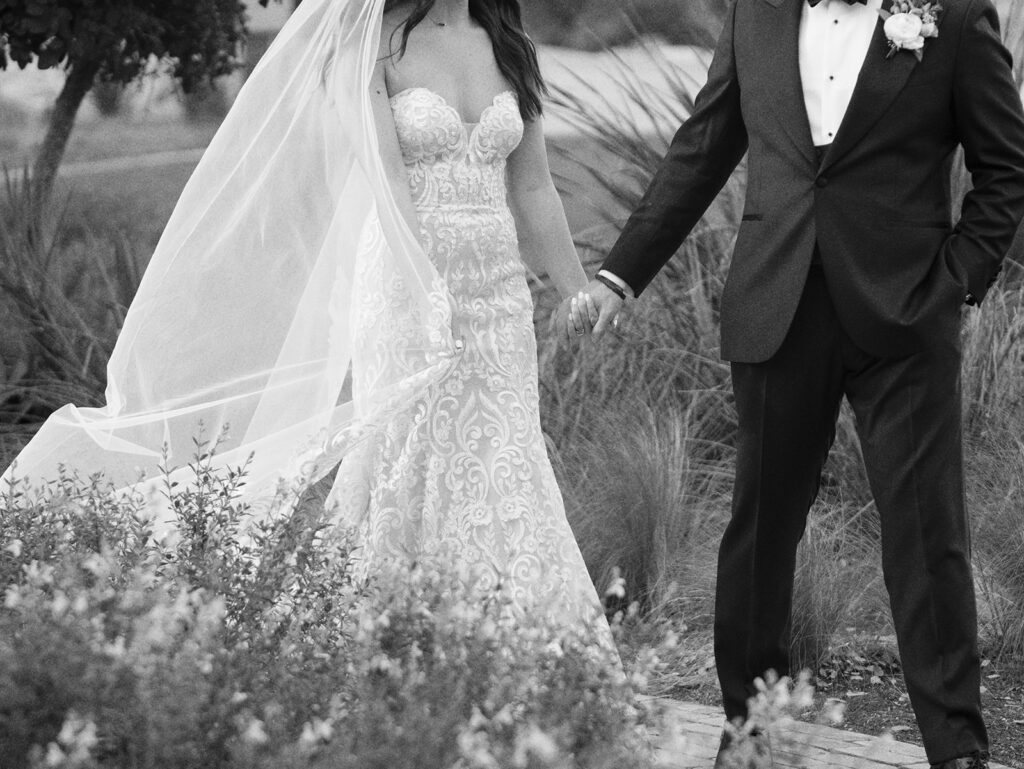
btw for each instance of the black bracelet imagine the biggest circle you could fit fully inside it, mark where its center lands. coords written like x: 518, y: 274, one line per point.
x: 616, y: 288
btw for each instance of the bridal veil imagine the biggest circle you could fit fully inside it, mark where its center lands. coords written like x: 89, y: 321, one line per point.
x: 285, y: 265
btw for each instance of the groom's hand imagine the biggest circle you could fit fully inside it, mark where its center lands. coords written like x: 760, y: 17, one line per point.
x: 609, y: 305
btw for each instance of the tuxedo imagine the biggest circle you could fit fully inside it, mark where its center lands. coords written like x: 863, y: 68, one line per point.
x: 878, y: 205
x: 847, y: 279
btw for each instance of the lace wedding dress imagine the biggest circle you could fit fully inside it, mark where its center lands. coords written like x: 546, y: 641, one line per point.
x: 465, y: 471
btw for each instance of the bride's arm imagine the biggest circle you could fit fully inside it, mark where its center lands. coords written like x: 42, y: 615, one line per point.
x: 390, y: 150
x: 544, y: 238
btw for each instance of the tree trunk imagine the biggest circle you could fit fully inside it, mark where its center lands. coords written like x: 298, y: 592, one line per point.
x: 79, y: 80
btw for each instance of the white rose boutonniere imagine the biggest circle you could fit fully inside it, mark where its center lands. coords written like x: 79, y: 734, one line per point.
x: 908, y: 23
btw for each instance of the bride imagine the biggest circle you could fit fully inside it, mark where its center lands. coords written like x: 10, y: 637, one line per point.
x: 456, y: 95
x: 343, y: 282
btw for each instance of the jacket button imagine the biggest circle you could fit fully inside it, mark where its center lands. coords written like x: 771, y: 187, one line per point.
x: 822, y: 181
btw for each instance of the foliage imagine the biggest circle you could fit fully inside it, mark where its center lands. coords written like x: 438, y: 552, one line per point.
x: 1013, y: 34
x: 218, y: 644
x: 115, y: 41
x: 64, y: 291
x: 595, y: 23
x: 836, y: 574
x: 999, y: 537
x: 199, y: 37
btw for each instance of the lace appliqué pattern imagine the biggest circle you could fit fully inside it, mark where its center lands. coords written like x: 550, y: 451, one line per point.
x: 465, y: 471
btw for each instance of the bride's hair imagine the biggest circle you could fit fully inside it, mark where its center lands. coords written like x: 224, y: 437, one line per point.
x: 513, y: 50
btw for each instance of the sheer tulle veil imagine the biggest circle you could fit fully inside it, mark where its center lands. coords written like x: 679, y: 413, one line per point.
x: 287, y: 308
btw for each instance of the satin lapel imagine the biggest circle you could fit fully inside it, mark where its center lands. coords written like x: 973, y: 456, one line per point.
x: 780, y: 37
x: 879, y: 83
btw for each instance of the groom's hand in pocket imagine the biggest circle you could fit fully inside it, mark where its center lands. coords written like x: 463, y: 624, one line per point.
x: 609, y: 305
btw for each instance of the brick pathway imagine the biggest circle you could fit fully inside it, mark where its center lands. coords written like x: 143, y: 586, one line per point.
x: 695, y: 730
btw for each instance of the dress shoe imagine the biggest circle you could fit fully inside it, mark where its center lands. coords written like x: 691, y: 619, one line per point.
x: 744, y: 751
x: 972, y: 761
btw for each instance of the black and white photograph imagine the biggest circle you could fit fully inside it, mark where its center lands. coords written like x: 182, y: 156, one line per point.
x: 511, y: 384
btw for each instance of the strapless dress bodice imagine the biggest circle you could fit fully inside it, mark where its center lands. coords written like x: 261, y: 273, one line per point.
x: 451, y: 162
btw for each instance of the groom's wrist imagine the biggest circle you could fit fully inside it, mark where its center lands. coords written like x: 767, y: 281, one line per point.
x: 615, y: 283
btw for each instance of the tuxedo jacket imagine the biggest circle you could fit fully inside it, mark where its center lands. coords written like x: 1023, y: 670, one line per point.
x: 877, y: 205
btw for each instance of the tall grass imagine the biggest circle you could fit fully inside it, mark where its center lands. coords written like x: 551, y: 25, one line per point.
x: 593, y: 23
x: 996, y: 467
x: 1013, y: 35
x: 64, y: 290
x: 653, y: 522
x: 836, y: 575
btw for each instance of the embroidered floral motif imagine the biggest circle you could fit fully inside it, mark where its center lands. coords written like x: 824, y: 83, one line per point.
x: 465, y: 470
x: 908, y: 23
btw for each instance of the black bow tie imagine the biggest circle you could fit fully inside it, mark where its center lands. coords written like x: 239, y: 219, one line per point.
x: 813, y: 3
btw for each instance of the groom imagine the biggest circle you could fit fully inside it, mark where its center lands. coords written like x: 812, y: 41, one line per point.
x: 847, y: 280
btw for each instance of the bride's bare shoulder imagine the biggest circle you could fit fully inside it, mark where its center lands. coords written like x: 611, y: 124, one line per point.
x: 390, y: 39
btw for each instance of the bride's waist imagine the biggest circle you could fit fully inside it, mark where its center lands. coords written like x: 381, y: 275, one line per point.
x: 485, y: 209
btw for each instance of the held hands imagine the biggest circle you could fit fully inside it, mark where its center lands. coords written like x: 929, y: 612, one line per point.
x: 590, y: 312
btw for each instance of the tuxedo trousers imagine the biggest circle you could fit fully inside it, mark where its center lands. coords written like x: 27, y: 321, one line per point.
x: 908, y: 413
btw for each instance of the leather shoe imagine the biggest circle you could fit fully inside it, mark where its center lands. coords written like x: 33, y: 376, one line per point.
x: 745, y: 751
x: 972, y: 761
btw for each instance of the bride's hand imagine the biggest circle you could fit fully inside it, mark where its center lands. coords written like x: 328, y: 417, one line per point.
x: 576, y: 316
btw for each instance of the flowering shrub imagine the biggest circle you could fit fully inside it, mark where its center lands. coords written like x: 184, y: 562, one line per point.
x: 211, y: 648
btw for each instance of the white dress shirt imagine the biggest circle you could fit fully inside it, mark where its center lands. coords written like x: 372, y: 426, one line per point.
x: 834, y: 41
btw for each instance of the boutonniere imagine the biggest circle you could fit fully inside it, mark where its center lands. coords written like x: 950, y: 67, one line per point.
x: 908, y: 23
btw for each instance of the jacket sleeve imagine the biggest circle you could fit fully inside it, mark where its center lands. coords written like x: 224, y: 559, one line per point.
x: 702, y: 155
x: 990, y: 125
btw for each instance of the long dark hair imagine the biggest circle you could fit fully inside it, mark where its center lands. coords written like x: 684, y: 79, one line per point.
x: 513, y: 50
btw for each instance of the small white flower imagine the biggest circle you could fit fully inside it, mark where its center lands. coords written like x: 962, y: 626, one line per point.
x: 116, y: 648
x: 60, y: 604
x: 315, y: 733
x: 555, y: 649
x: 538, y: 745
x: 15, y: 547
x: 54, y: 755
x: 617, y: 589
x: 77, y: 738
x: 12, y: 598
x: 38, y: 574
x: 80, y: 605
x: 477, y: 720
x: 254, y: 733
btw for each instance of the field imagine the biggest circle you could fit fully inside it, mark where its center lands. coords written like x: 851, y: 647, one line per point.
x: 644, y: 460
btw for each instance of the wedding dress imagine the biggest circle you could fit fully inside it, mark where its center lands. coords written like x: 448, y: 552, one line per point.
x: 465, y: 471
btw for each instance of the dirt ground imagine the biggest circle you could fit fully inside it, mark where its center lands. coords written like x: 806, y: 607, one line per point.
x: 871, y: 686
